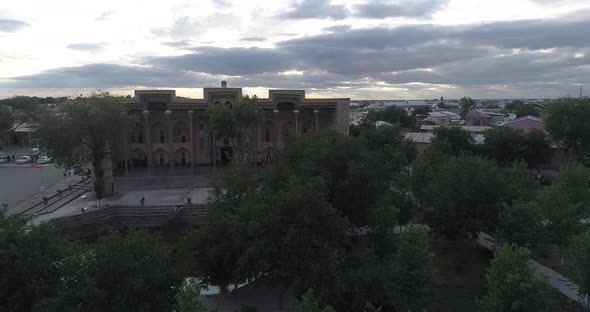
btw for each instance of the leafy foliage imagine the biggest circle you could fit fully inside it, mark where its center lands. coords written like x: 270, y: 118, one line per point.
x: 28, y: 255
x: 512, y: 285
x: 520, y: 109
x: 453, y: 141
x: 415, y: 270
x: 6, y: 120
x: 466, y: 104
x: 580, y: 249
x: 507, y: 145
x: 521, y: 224
x: 121, y: 272
x: 85, y: 130
x: 309, y: 303
x: 187, y: 297
x: 465, y: 192
x: 392, y: 115
x: 567, y: 124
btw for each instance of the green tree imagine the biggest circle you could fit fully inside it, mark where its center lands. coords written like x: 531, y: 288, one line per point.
x: 6, y: 121
x: 465, y: 192
x: 580, y: 250
x: 132, y: 271
x: 453, y: 140
x: 415, y: 270
x: 466, y: 104
x: 567, y: 123
x: 507, y: 145
x: 520, y: 109
x: 512, y: 285
x: 521, y: 224
x: 562, y: 218
x: 218, y: 249
x: 188, y: 294
x: 538, y: 148
x: 355, y: 177
x: 300, y: 236
x: 392, y: 115
x: 230, y: 121
x: 504, y: 144
x: 309, y: 303
x: 85, y: 130
x: 28, y: 255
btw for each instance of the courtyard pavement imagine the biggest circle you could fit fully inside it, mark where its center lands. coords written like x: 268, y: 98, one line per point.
x: 160, y: 197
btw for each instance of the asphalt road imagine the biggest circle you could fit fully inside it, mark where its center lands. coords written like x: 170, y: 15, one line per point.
x: 17, y: 183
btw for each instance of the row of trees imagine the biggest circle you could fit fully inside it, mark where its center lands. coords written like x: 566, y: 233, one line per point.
x: 298, y: 224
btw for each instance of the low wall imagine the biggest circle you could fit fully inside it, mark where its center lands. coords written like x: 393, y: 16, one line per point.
x: 90, y: 222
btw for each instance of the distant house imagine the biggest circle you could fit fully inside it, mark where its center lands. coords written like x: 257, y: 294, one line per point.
x: 421, y: 139
x: 424, y: 139
x: 475, y: 118
x: 527, y: 123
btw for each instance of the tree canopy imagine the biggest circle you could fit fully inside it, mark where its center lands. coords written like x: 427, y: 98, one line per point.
x: 466, y: 104
x: 85, y: 130
x: 512, y: 284
x: 392, y: 115
x: 507, y: 145
x: 567, y: 123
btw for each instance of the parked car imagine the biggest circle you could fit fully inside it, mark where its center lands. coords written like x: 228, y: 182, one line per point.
x: 4, y: 159
x: 44, y: 160
x: 24, y: 160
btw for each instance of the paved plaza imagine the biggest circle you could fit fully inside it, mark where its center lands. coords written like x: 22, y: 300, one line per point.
x: 20, y: 183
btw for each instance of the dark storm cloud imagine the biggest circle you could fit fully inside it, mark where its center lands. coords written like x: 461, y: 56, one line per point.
x: 385, y: 9
x: 87, y: 47
x: 12, y: 25
x: 109, y: 76
x: 316, y: 9
x: 522, y: 54
x: 338, y: 28
x: 254, y: 39
x: 230, y: 61
x: 181, y: 44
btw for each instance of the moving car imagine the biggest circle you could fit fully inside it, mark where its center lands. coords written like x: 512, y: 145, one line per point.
x: 44, y: 160
x: 24, y: 160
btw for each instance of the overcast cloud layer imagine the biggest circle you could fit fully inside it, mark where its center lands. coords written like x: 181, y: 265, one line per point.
x: 362, y: 49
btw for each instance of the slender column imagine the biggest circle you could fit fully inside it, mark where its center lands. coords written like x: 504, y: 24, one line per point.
x: 148, y: 138
x: 295, y: 119
x: 125, y: 148
x: 275, y: 138
x: 170, y: 141
x: 191, y: 113
x: 316, y: 114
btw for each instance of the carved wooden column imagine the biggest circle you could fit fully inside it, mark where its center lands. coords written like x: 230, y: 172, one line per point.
x: 275, y: 139
x: 170, y: 141
x: 316, y: 114
x: 190, y: 122
x: 125, y: 147
x: 295, y: 119
x: 148, y: 138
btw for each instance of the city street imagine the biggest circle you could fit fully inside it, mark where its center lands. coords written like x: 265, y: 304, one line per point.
x: 19, y: 182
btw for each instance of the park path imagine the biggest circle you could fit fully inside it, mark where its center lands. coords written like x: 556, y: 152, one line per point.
x: 563, y: 284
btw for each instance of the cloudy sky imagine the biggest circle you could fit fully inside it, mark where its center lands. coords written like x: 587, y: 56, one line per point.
x: 381, y: 49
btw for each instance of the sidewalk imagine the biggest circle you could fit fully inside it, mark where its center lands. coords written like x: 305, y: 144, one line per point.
x: 567, y: 287
x: 564, y: 285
